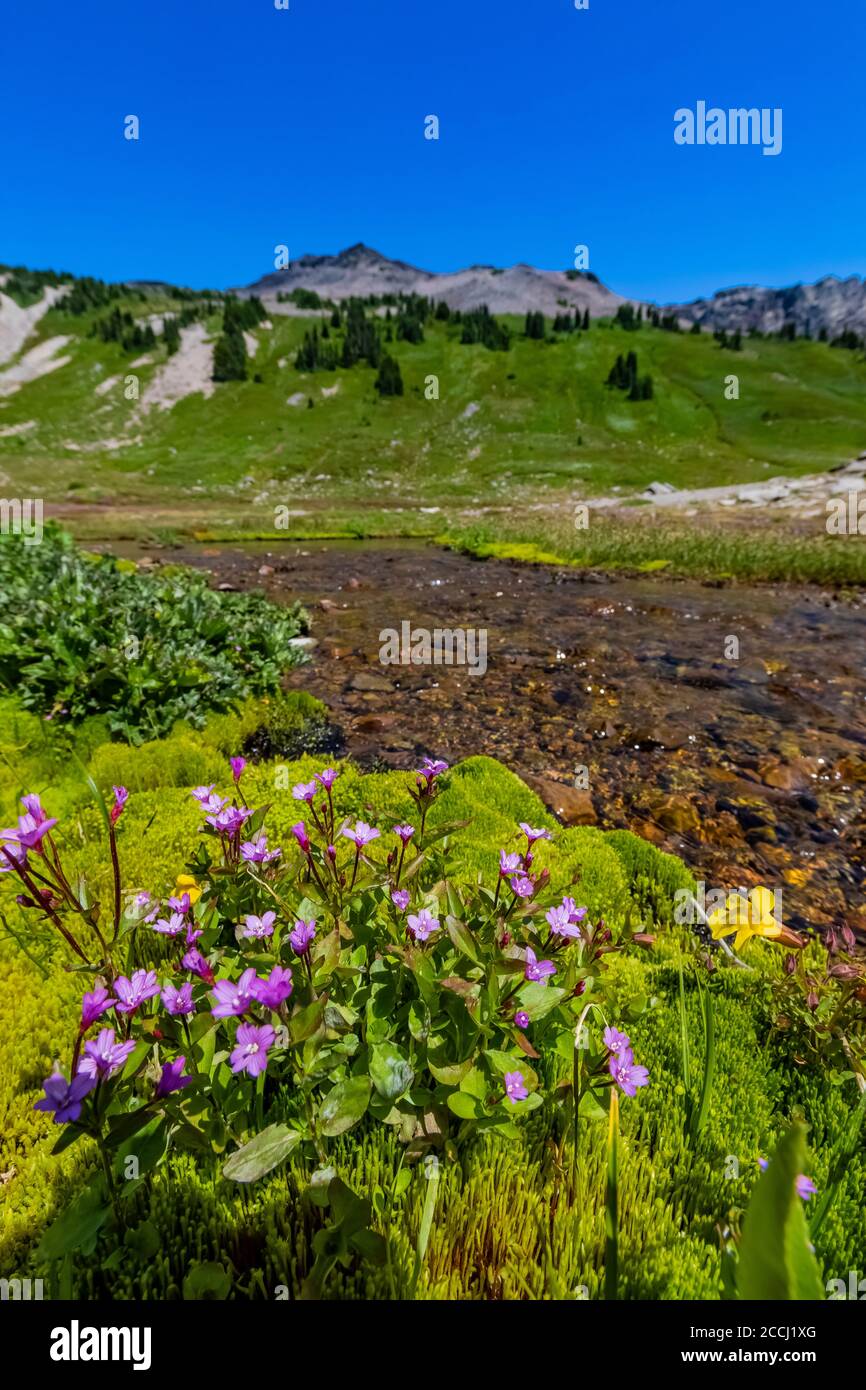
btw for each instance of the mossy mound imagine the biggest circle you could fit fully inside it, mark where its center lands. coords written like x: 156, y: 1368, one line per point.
x: 505, y: 1225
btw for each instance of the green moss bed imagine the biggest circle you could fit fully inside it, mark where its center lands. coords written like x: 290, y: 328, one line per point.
x: 503, y: 1226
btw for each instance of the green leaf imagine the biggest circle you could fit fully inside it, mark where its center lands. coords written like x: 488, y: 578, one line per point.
x: 305, y: 1022
x: 462, y: 938
x: 148, y: 1148
x: 70, y: 1134
x: 345, y: 1105
x: 123, y: 1127
x: 207, y: 1281
x: 320, y: 1181
x: 475, y: 1083
x: 465, y: 1106
x: 371, y: 1246
x: 390, y: 1071
x: 261, y: 1154
x: 350, y: 1212
x: 145, y: 1240
x: 538, y: 999
x: 776, y: 1263
x: 401, y: 1183
x: 77, y: 1228
x: 449, y: 1073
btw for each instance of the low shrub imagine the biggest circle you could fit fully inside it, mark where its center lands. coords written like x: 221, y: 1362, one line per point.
x: 84, y: 635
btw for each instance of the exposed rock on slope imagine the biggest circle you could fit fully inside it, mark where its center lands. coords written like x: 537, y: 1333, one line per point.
x: 361, y: 271
x: 40, y: 360
x: 830, y: 303
x: 187, y: 371
x: 17, y: 324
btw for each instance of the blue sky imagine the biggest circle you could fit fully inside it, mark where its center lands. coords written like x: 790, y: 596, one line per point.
x: 305, y: 127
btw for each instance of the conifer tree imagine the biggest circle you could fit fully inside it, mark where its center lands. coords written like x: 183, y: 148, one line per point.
x: 230, y: 356
x: 171, y: 335
x: 389, y: 381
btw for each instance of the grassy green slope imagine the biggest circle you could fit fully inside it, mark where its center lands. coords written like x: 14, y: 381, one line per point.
x: 546, y: 421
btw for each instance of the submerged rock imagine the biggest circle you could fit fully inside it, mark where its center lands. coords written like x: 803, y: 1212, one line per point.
x: 571, y: 805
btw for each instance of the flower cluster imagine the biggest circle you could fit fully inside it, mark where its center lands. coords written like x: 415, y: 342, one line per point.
x: 621, y: 1063
x: 340, y: 966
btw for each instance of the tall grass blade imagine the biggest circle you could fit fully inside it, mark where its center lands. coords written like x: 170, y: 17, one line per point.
x: 425, y: 1228
x: 611, y: 1218
x: 699, y: 1115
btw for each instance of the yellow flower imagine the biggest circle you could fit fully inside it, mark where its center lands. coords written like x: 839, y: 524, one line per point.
x: 185, y: 884
x: 752, y: 916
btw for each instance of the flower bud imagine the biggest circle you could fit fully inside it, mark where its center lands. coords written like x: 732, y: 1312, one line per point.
x: 812, y: 1000
x: 844, y: 972
x: 790, y: 965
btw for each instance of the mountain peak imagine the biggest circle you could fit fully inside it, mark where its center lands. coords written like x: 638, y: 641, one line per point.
x: 359, y: 271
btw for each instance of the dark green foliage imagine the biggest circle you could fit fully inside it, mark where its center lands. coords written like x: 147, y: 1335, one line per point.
x: 362, y: 342
x: 389, y: 382
x: 243, y: 313
x: 27, y: 286
x: 171, y: 334
x: 625, y: 377
x: 87, y: 294
x: 847, y: 339
x: 410, y: 329
x: 82, y: 635
x: 534, y: 326
x: 734, y: 342
x: 119, y: 326
x: 230, y: 356
x: 443, y: 313
x: 617, y: 375
x: 695, y: 329
x: 627, y: 318
x: 305, y: 299
x: 479, y: 326
x: 315, y: 356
